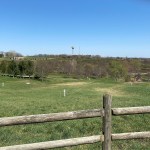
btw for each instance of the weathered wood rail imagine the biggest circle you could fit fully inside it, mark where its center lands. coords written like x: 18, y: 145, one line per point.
x: 106, y: 138
x: 9, y: 121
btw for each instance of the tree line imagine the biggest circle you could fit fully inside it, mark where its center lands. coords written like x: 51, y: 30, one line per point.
x: 72, y: 66
x: 17, y: 68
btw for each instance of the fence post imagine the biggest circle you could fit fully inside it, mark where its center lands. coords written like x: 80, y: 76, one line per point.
x: 107, y: 100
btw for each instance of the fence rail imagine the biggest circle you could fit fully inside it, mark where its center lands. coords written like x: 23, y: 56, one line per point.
x: 106, y: 112
x: 131, y: 135
x: 56, y: 144
x: 52, y: 117
x: 131, y: 110
x: 19, y: 120
x: 77, y: 141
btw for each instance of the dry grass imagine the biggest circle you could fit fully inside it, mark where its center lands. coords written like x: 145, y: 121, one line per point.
x: 71, y: 84
x: 115, y: 91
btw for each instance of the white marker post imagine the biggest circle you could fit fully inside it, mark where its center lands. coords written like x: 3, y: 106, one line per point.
x: 64, y: 92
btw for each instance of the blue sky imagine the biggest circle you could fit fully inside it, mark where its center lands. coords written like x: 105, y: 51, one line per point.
x: 96, y: 27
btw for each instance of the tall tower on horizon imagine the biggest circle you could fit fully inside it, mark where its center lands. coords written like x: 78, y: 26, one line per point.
x: 72, y: 47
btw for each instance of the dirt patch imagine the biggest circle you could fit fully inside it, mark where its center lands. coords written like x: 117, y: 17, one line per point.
x: 136, y: 82
x: 71, y: 84
x: 112, y: 91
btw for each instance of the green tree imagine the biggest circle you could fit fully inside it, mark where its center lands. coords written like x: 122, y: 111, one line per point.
x: 3, y: 67
x: 29, y: 68
x: 136, y: 65
x: 22, y: 67
x: 13, y: 68
x: 117, y: 70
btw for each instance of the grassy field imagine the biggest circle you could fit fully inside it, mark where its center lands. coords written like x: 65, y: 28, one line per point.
x: 18, y: 98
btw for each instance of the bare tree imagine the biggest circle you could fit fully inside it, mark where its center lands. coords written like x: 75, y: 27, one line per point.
x: 41, y: 69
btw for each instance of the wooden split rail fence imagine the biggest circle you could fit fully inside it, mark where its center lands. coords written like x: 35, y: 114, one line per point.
x: 106, y: 138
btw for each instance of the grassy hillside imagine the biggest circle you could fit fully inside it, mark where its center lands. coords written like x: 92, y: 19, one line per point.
x: 18, y: 98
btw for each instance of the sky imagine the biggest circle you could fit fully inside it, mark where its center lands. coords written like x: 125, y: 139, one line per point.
x: 117, y: 28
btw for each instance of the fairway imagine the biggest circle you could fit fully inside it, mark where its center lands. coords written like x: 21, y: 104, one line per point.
x: 18, y: 97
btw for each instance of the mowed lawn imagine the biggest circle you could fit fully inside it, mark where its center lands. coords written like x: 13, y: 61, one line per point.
x: 17, y: 98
